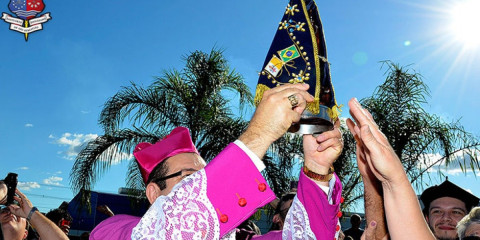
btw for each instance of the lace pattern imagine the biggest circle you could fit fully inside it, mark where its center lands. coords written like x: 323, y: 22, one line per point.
x: 230, y: 236
x: 297, y: 224
x: 186, y: 213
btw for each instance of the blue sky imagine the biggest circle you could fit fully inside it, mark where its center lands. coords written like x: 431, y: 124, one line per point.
x: 52, y: 87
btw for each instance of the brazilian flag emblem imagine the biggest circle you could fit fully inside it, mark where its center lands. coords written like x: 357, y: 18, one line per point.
x: 289, y: 53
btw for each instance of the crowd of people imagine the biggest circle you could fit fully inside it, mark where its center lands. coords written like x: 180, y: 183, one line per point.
x: 194, y: 200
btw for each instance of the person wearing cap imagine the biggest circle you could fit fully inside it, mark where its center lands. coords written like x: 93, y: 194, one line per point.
x: 191, y: 200
x: 444, y: 206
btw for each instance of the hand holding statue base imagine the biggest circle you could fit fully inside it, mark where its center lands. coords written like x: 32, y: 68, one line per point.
x: 313, y: 123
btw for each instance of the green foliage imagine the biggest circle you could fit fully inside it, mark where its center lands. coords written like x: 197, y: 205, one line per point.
x: 191, y: 98
x: 415, y: 135
x: 279, y: 162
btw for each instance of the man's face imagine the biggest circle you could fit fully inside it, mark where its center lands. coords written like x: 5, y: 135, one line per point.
x: 188, y: 163
x: 443, y: 216
x: 280, y: 217
x: 12, y: 224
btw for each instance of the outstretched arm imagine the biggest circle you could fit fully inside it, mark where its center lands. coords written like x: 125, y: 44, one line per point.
x: 240, y: 179
x: 387, y: 168
x: 373, y: 197
x: 374, y: 210
x: 45, y: 228
x: 315, y: 210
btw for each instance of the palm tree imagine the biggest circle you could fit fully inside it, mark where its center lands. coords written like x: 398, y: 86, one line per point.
x: 414, y: 134
x: 191, y: 98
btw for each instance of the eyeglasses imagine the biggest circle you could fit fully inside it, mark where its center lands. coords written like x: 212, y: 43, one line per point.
x: 179, y: 173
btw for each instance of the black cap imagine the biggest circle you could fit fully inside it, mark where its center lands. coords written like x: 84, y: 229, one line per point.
x: 447, y: 189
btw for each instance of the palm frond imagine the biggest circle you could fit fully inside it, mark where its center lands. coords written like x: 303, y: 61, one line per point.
x: 142, y: 106
x: 217, y: 135
x: 101, y: 153
x: 134, y: 180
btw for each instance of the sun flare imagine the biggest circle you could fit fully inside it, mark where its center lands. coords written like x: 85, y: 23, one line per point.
x: 466, y: 23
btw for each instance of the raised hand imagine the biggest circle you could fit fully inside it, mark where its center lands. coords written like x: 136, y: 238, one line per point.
x: 278, y: 109
x: 321, y: 151
x: 275, y: 113
x: 24, y: 207
x: 373, y: 199
x: 374, y: 153
x: 373, y: 147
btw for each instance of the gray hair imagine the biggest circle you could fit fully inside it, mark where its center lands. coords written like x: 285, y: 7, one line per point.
x: 472, y: 217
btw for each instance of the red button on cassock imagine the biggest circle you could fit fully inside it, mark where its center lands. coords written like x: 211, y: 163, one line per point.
x: 342, y: 200
x: 242, y: 202
x: 224, y: 218
x: 339, y: 214
x: 337, y: 228
x: 262, y: 187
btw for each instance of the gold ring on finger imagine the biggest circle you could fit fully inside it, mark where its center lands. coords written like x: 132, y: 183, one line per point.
x: 293, y: 100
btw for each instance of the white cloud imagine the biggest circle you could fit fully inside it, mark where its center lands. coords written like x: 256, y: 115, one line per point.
x: 453, y: 167
x: 76, y: 142
x: 22, y: 168
x: 28, y: 125
x: 53, y: 180
x: 84, y: 112
x: 26, y: 186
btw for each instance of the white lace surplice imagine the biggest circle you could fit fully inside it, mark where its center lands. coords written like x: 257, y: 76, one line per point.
x: 186, y: 213
x: 297, y: 224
